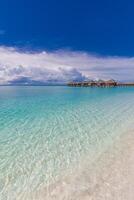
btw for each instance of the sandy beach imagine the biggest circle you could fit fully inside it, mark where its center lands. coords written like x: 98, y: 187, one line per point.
x: 112, y: 180
x: 116, y: 181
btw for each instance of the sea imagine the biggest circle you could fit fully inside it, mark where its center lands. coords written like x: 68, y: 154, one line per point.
x: 48, y: 131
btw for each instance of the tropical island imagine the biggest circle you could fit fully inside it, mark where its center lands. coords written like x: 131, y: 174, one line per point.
x: 99, y: 83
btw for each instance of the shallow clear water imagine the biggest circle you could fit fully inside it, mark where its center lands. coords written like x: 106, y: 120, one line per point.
x: 44, y: 131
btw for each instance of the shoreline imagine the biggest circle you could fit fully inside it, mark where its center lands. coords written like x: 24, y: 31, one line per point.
x: 110, y: 178
x: 117, y: 171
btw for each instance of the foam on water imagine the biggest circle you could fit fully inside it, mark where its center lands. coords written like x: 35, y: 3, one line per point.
x: 46, y: 131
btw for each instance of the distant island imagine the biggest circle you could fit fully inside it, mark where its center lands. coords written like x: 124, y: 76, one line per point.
x: 99, y: 83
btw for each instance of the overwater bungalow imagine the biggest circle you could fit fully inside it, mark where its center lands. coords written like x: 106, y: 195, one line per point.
x: 101, y: 83
x: 92, y: 83
x: 111, y: 83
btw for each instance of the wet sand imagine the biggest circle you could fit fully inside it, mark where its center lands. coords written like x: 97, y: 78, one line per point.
x: 116, y: 181
x: 110, y: 178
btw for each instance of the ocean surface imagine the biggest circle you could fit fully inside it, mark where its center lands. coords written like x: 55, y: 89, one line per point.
x: 46, y: 132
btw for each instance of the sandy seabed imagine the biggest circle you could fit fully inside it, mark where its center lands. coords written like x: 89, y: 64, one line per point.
x: 110, y: 178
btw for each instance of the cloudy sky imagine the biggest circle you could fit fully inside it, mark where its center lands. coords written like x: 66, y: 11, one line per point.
x: 23, y: 67
x: 56, y: 41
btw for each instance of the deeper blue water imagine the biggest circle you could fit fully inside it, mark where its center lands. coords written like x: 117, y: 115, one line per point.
x: 45, y: 131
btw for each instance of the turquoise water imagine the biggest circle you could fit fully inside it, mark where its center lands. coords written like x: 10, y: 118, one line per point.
x: 45, y: 131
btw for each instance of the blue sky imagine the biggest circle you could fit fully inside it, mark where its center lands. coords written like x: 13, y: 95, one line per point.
x: 102, y: 26
x: 98, y: 29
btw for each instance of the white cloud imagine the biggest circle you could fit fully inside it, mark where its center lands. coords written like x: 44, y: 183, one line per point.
x: 61, y: 66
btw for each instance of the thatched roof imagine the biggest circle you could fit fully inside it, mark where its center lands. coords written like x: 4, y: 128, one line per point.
x: 111, y: 81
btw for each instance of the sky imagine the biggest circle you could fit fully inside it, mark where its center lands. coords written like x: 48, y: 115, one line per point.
x: 56, y: 41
